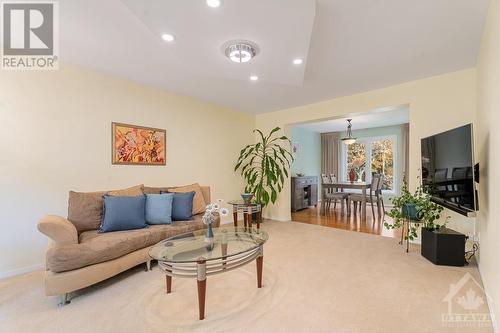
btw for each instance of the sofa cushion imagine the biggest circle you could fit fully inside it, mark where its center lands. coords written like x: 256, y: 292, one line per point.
x: 127, y: 192
x: 199, y: 203
x: 159, y: 208
x: 85, y: 210
x: 154, y: 190
x: 123, y: 213
x: 97, y: 247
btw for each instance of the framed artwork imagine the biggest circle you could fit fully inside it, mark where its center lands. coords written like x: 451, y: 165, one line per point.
x: 295, y: 149
x: 138, y: 145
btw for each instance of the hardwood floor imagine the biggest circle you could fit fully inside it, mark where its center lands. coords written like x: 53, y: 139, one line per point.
x: 372, y: 225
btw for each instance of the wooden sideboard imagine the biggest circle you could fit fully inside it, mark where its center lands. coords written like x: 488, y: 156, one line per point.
x: 304, y: 192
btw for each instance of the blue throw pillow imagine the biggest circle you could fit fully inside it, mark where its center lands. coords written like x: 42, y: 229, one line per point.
x: 159, y: 208
x: 182, y: 206
x: 123, y: 213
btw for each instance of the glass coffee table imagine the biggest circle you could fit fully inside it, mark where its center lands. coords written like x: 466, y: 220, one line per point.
x: 191, y: 255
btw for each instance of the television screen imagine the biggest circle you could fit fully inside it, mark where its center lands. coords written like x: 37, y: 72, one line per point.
x: 448, y: 169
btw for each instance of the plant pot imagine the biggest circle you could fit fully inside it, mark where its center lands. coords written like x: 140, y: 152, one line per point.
x: 410, y: 212
x: 443, y: 246
x: 247, y: 197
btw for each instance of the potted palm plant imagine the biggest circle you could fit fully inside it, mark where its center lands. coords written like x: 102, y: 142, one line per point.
x: 265, y: 165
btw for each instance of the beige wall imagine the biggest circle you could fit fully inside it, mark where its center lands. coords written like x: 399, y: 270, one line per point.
x: 55, y: 136
x: 488, y: 149
x: 436, y: 104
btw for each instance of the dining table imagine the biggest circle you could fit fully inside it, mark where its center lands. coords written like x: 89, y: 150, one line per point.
x: 341, y: 186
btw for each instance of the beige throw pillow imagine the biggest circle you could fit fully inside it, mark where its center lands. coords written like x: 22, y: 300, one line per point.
x: 85, y: 210
x: 128, y: 192
x: 199, y: 203
x: 154, y: 190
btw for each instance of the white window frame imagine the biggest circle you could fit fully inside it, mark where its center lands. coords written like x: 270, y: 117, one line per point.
x: 368, y: 152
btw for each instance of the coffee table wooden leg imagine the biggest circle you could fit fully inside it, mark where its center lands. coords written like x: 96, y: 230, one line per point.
x: 169, y: 283
x: 202, y: 289
x: 260, y: 263
x: 202, y: 286
x: 235, y: 218
x: 259, y: 219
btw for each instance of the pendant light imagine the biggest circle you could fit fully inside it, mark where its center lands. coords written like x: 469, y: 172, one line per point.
x: 349, y: 139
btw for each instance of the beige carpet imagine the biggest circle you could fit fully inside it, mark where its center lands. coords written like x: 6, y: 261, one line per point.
x: 316, y: 279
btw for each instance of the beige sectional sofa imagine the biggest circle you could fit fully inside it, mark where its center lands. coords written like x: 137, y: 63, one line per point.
x: 77, y: 258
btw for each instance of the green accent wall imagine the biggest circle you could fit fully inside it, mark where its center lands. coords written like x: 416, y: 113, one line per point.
x: 308, y: 157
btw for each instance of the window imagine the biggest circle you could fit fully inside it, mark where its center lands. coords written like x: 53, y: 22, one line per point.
x: 379, y: 152
x: 356, y: 160
x: 383, y: 161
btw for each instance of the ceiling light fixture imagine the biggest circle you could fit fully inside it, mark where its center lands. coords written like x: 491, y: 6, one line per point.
x: 297, y: 61
x: 254, y: 78
x: 168, y: 37
x: 349, y: 140
x: 240, y: 52
x: 213, y: 3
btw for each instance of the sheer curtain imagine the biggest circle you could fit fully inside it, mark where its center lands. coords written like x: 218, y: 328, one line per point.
x: 330, y: 153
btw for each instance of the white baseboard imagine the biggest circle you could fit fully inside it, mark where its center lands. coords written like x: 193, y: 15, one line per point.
x: 276, y: 218
x: 22, y: 270
x: 489, y: 302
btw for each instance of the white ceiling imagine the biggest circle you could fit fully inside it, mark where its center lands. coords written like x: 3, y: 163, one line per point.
x: 377, y: 118
x: 198, y: 49
x: 348, y: 46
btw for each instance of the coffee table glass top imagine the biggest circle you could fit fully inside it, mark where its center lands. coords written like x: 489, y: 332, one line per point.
x: 189, y: 247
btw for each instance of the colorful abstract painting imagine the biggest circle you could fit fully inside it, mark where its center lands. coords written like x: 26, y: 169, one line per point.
x: 138, y: 145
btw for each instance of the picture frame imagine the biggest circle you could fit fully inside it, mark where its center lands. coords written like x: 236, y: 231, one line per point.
x: 295, y: 148
x: 137, y: 145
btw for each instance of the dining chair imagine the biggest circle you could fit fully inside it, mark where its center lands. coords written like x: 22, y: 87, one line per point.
x: 374, y: 195
x: 378, y: 194
x: 332, y: 195
x: 458, y: 192
x: 439, y: 176
x: 459, y: 173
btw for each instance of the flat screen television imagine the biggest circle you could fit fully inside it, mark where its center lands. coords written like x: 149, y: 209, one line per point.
x: 448, y: 169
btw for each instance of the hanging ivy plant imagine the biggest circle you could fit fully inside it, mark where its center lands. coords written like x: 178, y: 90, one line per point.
x: 417, y: 207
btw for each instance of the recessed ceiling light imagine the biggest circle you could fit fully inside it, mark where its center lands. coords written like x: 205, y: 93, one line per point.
x: 254, y: 78
x: 168, y: 37
x: 297, y: 61
x: 213, y: 3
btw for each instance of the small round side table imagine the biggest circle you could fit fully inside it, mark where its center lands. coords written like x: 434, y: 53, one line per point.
x: 247, y: 209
